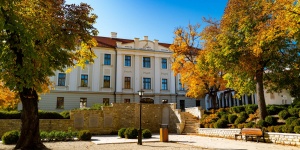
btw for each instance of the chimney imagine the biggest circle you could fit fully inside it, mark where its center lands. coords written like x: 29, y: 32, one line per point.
x: 119, y: 44
x: 136, y: 43
x: 113, y: 34
x: 155, y: 44
x: 146, y: 38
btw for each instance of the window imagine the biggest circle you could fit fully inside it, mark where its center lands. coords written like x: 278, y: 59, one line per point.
x: 60, y: 103
x: 84, y: 80
x: 180, y: 86
x: 146, y: 62
x: 106, y: 83
x: 147, y: 83
x: 61, y: 79
x: 83, y: 102
x: 107, y: 59
x: 164, y: 84
x: 126, y: 100
x: 128, y: 61
x: 127, y: 83
x: 272, y: 96
x: 105, y: 101
x: 164, y: 63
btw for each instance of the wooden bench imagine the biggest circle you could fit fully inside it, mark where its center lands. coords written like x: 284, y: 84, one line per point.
x: 251, y: 132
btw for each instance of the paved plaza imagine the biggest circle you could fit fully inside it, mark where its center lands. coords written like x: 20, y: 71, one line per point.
x: 176, y: 142
x: 199, y: 141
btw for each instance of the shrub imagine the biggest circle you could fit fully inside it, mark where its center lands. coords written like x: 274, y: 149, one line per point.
x: 60, y: 135
x: 131, y: 133
x: 224, y: 116
x: 221, y: 113
x: 283, y: 114
x: 295, y: 122
x: 271, y: 110
x: 97, y: 106
x: 10, y: 137
x: 287, y: 129
x: 274, y: 109
x: 297, y: 129
x: 237, y: 109
x: 240, y: 120
x: 146, y: 133
x: 84, y: 135
x: 251, y: 108
x: 249, y: 124
x: 10, y: 115
x: 49, y: 115
x: 278, y: 129
x: 289, y: 120
x: 244, y: 115
x: 51, y: 136
x: 221, y: 123
x: 43, y: 135
x: 65, y: 114
x: 270, y: 121
x: 294, y: 112
x: 206, y: 125
x: 261, y: 124
x: 232, y: 118
x: 121, y: 132
x: 240, y: 126
x: 270, y: 129
x: 211, y: 125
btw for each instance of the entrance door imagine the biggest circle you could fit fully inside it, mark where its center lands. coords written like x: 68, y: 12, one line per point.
x: 197, y: 103
x: 182, y: 105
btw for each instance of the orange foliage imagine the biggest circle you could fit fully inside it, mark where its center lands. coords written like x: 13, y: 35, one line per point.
x: 8, y: 99
x: 196, y: 66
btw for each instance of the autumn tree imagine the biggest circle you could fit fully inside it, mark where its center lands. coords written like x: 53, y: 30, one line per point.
x: 38, y: 37
x: 194, y: 64
x: 259, y: 41
x: 8, y: 98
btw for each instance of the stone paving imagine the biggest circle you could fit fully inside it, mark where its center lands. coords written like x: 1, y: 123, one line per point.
x: 201, y: 141
x: 176, y: 142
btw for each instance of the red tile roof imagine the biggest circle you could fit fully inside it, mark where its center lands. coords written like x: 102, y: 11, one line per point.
x: 111, y: 42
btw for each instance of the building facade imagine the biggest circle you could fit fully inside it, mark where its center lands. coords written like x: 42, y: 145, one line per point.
x: 125, y: 66
x: 122, y: 68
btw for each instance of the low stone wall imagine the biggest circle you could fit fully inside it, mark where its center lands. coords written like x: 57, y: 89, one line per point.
x: 109, y: 120
x: 45, y: 125
x: 225, y: 133
x: 284, y: 138
x: 270, y: 137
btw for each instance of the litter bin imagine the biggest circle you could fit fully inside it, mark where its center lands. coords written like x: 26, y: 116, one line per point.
x: 164, y: 135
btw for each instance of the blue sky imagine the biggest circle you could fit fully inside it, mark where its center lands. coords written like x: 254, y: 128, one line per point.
x: 156, y: 19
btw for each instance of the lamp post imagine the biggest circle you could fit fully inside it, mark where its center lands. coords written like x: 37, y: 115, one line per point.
x: 141, y: 93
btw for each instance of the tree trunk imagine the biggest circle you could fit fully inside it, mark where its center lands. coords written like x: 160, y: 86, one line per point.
x: 213, y: 96
x: 30, y: 135
x: 260, y: 95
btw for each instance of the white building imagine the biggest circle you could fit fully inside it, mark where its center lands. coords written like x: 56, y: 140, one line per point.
x: 121, y: 69
x: 226, y: 99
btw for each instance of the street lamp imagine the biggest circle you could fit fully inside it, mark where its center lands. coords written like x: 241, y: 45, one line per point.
x: 141, y: 93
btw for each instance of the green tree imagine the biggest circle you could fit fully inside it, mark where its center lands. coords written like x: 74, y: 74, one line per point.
x: 38, y: 37
x: 259, y: 43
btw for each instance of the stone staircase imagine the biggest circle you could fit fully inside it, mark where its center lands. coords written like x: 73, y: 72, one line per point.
x: 191, y: 123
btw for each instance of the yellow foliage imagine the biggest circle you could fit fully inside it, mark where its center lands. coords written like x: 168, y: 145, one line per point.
x: 8, y: 98
x: 195, y: 66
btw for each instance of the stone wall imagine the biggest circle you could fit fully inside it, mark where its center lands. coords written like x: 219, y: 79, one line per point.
x: 195, y: 111
x: 225, y: 133
x: 109, y: 120
x: 270, y: 137
x: 284, y: 138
